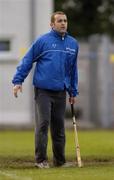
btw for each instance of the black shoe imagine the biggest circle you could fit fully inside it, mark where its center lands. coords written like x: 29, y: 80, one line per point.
x: 64, y: 165
x: 42, y: 165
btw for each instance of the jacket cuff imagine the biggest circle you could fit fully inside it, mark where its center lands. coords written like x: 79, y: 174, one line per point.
x: 73, y: 93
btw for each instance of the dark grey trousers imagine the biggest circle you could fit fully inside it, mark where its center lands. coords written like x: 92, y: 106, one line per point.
x: 50, y: 109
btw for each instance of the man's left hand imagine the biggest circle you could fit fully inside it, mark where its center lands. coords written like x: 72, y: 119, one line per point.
x: 72, y: 100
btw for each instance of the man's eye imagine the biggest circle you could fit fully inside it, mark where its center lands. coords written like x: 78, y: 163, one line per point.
x: 62, y: 21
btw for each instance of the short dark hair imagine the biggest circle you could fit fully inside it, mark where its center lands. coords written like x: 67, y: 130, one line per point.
x: 53, y: 15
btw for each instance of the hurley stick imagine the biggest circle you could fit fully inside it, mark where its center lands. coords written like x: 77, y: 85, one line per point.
x: 76, y: 138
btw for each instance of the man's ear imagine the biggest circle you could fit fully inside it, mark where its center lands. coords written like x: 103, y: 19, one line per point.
x: 52, y: 25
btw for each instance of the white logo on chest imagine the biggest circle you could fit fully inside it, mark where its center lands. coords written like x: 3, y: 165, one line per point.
x: 54, y: 45
x: 70, y: 49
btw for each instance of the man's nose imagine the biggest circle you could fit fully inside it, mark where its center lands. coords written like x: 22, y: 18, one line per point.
x: 63, y: 22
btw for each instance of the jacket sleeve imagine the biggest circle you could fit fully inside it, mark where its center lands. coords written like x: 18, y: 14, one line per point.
x: 26, y: 63
x: 74, y: 77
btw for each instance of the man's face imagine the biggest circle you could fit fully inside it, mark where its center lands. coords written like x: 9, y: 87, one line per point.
x: 60, y: 23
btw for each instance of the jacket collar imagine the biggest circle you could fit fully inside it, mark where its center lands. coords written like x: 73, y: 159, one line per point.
x: 57, y: 34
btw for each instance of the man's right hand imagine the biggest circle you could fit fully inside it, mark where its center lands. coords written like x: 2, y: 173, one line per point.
x: 17, y: 88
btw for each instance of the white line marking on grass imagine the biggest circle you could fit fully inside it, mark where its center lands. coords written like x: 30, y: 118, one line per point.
x: 14, y: 176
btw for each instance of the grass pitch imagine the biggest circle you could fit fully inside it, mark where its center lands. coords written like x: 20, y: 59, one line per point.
x: 97, y: 152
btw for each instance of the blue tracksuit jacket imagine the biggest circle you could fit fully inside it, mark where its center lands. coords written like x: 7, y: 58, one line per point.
x: 56, y: 63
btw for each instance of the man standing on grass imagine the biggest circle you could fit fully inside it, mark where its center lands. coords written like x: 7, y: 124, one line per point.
x: 55, y: 55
